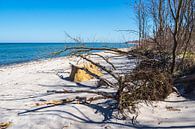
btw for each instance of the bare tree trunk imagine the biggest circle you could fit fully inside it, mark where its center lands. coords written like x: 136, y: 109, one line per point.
x: 176, y: 17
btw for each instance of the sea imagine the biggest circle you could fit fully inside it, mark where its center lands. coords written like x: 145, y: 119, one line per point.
x: 14, y: 53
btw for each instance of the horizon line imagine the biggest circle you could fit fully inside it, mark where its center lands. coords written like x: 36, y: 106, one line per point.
x: 62, y: 42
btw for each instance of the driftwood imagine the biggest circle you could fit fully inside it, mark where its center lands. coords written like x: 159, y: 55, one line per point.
x: 102, y: 93
x: 47, y: 105
x: 144, y: 83
x: 76, y: 100
x: 75, y: 68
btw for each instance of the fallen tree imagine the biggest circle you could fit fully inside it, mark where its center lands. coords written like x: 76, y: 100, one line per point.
x: 145, y: 83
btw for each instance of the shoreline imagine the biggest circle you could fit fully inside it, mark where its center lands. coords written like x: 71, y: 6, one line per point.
x: 48, y: 59
x: 31, y: 62
x: 12, y: 54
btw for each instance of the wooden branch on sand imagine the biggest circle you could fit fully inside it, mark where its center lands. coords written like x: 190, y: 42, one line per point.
x: 102, y: 93
x: 51, y: 103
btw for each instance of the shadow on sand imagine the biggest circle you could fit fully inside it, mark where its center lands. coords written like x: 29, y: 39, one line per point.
x: 103, y: 108
x: 107, y: 113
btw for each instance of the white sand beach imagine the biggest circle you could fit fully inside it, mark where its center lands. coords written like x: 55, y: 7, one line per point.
x: 23, y: 85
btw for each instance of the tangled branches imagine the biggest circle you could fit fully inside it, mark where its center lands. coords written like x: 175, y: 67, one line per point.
x: 149, y: 81
x: 144, y: 85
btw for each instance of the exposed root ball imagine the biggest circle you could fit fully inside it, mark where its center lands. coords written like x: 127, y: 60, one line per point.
x: 148, y: 85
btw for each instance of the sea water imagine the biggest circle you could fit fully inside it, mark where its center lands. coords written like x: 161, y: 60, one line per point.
x: 13, y: 53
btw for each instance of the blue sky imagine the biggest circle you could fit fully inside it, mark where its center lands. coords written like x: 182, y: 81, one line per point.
x: 46, y: 20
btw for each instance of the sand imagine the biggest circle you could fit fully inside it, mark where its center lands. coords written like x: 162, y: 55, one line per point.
x: 23, y: 85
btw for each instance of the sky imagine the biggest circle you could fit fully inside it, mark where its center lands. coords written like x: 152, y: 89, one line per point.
x: 47, y: 20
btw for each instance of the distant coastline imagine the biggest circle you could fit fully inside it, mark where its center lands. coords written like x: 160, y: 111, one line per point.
x: 133, y: 42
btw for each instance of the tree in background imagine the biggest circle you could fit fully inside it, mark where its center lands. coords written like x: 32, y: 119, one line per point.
x: 169, y: 24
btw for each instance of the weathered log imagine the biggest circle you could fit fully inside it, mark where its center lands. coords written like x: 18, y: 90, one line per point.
x: 84, y: 72
x: 75, y: 68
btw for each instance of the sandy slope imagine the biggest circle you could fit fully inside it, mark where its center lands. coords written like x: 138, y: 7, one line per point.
x: 22, y: 85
